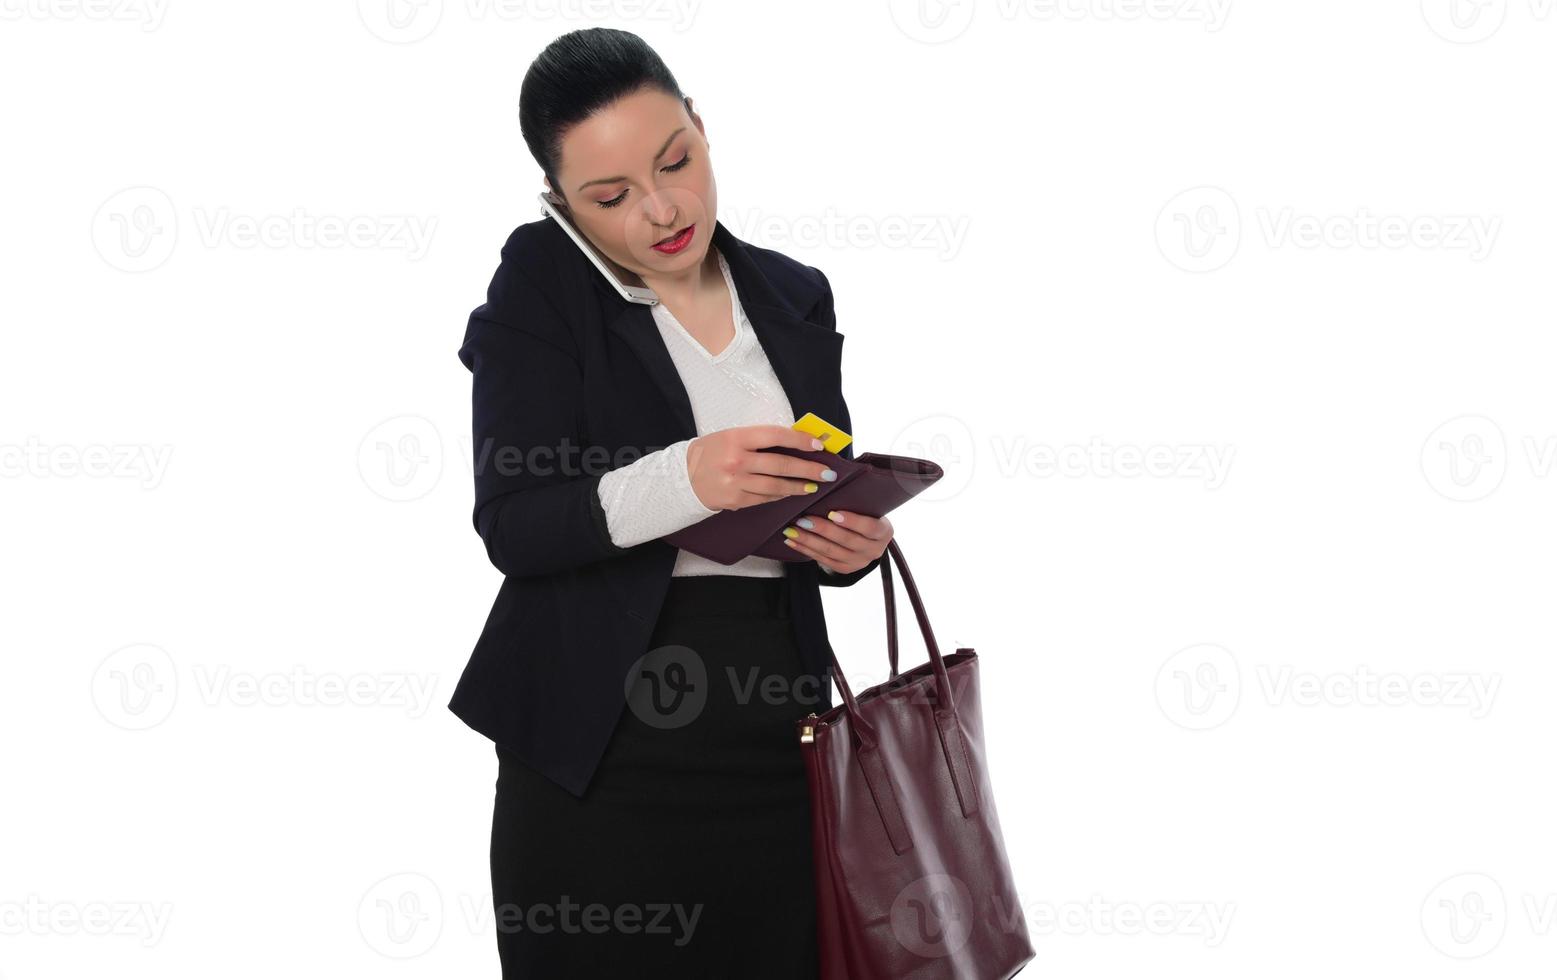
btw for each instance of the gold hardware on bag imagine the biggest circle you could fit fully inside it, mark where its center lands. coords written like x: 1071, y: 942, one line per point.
x: 808, y: 732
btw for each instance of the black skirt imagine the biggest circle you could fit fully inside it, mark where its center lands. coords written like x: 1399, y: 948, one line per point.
x: 689, y: 855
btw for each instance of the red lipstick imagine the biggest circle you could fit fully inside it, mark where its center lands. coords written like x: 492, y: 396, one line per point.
x: 677, y: 242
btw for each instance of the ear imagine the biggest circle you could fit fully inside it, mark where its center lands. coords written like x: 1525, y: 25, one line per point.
x: 555, y: 198
x: 697, y: 120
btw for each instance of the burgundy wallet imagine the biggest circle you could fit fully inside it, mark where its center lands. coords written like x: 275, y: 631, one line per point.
x: 873, y: 484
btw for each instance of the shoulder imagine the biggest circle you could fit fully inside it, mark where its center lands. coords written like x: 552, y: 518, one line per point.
x: 790, y: 275
x: 533, y: 266
x: 536, y: 288
x: 791, y: 284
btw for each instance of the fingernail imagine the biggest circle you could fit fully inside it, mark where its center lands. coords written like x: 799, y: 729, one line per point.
x: 835, y: 517
x: 811, y: 487
x: 805, y: 522
x: 829, y: 475
x: 818, y: 444
x: 790, y: 532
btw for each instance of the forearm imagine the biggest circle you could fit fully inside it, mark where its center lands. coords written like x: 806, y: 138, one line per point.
x: 536, y: 503
x: 651, y: 497
x: 545, y: 529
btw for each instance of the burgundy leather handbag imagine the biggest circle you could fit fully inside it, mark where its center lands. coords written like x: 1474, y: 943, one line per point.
x: 911, y: 872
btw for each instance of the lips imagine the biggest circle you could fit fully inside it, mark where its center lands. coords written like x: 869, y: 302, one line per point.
x: 675, y: 243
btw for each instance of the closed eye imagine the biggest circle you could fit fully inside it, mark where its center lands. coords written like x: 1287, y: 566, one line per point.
x: 667, y: 169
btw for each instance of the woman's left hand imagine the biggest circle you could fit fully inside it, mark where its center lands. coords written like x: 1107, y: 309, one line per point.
x: 843, y: 541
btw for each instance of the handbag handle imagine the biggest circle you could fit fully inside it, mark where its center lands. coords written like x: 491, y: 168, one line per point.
x: 891, y: 603
x: 947, y: 724
x: 943, y: 688
x: 947, y: 719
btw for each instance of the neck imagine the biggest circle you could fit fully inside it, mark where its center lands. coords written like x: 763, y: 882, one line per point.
x: 677, y: 288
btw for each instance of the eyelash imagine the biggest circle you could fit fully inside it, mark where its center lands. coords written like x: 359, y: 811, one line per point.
x: 670, y: 169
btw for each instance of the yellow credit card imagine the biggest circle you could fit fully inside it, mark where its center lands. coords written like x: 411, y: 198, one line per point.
x: 833, y: 438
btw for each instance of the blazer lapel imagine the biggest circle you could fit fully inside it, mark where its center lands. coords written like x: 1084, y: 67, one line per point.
x: 791, y: 343
x: 635, y: 325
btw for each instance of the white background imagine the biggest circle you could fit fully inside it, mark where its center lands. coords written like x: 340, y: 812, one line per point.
x: 1279, y: 708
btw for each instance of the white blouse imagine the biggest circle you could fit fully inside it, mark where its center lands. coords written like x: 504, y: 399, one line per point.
x: 652, y: 496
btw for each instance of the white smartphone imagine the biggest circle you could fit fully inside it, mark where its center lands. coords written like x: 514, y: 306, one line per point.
x: 634, y: 294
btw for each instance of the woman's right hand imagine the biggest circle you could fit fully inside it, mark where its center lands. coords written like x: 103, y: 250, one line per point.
x: 729, y: 471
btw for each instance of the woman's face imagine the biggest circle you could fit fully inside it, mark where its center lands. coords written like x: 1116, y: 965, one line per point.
x: 636, y: 173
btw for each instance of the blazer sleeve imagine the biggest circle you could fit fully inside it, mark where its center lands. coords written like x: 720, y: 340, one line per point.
x: 537, y: 507
x: 823, y: 315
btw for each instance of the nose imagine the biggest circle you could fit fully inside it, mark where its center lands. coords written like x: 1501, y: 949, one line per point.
x: 661, y: 211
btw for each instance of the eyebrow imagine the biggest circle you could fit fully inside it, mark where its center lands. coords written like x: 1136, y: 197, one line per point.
x: 612, y: 180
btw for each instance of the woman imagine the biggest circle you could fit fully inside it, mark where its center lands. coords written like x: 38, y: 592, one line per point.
x: 652, y: 814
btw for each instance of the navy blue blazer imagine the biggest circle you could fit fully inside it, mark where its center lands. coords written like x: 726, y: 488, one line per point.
x: 570, y: 381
